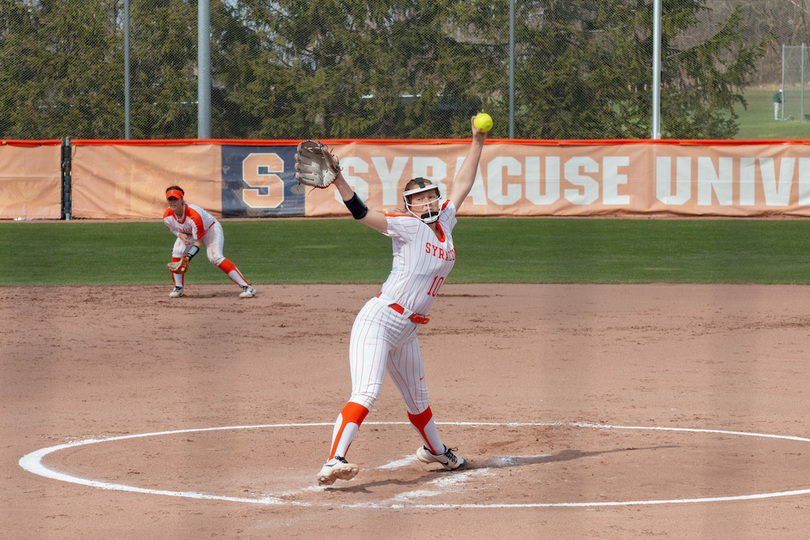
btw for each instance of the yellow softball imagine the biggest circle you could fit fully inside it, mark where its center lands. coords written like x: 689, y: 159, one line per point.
x: 483, y: 121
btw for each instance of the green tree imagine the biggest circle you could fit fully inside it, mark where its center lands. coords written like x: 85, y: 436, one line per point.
x: 59, y: 73
x: 699, y: 99
x: 163, y: 66
x: 358, y: 69
x: 355, y: 69
x: 235, y: 44
x: 584, y: 69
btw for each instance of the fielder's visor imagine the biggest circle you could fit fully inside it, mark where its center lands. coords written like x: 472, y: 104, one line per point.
x: 176, y: 193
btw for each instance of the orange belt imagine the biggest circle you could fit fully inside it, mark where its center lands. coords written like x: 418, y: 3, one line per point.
x: 413, y: 317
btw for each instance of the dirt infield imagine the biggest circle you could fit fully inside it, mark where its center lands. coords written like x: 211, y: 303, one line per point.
x: 607, y: 411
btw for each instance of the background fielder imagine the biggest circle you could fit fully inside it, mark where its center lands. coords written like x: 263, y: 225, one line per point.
x: 194, y: 227
x: 383, y: 337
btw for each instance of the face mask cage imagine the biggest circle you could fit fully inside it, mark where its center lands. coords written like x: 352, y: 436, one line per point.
x: 428, y: 216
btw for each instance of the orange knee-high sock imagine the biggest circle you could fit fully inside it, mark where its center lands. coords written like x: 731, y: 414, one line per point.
x: 424, y: 424
x: 233, y: 272
x: 346, y: 426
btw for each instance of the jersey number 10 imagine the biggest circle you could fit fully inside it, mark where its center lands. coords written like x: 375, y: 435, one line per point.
x: 434, y: 287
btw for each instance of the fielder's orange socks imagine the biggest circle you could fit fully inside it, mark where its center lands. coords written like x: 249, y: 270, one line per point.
x: 233, y: 272
x: 424, y: 424
x: 346, y: 426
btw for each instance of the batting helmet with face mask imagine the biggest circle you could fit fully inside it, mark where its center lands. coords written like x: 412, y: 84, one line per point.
x: 429, y: 215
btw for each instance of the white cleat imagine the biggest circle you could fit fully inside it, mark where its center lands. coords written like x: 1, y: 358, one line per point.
x: 176, y: 293
x: 449, y: 460
x: 247, y: 292
x: 336, y: 468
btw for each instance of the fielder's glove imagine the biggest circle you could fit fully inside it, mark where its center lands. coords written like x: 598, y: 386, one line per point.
x: 315, y: 165
x: 178, y: 267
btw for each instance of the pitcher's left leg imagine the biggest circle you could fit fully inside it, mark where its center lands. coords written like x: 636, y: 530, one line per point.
x: 408, y: 373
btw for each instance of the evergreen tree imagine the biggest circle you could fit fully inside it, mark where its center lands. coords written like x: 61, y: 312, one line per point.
x: 294, y: 69
x: 584, y: 70
x: 60, y: 69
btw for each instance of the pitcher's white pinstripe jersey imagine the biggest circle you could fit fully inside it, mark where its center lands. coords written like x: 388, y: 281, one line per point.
x: 422, y: 259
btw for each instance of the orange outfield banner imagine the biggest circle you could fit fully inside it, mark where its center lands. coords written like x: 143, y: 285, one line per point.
x: 515, y: 178
x: 118, y: 181
x: 30, y: 180
x: 588, y: 178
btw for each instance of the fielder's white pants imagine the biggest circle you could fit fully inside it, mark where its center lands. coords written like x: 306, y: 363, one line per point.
x: 214, y: 241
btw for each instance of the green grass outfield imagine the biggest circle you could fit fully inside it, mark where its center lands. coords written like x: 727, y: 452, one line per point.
x: 489, y: 250
x: 756, y: 122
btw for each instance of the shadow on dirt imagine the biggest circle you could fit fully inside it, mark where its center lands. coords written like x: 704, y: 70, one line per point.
x: 500, y: 462
x: 496, y: 462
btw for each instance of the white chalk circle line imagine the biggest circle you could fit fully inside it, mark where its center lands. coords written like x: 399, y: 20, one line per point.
x: 32, y: 463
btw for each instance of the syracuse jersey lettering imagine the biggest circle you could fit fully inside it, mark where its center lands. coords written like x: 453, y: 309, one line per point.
x: 436, y: 251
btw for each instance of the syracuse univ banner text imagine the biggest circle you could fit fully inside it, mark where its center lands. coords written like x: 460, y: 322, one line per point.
x: 117, y: 179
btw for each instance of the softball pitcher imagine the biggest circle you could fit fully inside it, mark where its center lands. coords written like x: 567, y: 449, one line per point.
x: 383, y: 337
x: 194, y: 227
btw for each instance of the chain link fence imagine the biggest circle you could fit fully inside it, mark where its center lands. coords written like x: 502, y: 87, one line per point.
x: 292, y: 69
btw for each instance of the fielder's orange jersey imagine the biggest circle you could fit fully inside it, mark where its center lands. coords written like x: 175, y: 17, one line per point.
x: 195, y: 221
